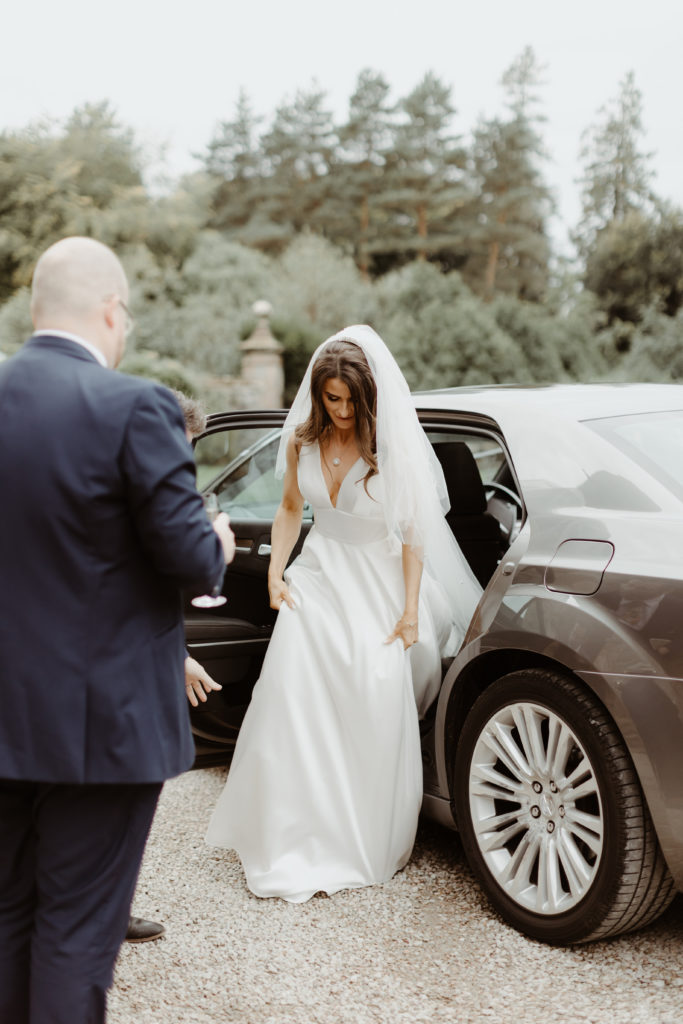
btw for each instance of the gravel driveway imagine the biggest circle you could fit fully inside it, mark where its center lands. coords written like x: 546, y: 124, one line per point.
x: 424, y: 947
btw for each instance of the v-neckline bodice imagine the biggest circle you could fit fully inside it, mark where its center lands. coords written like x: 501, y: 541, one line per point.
x: 341, y: 485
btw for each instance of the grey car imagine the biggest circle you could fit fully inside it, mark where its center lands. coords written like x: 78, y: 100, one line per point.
x: 555, y: 745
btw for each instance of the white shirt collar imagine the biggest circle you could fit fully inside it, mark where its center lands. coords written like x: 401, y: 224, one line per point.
x: 99, y: 356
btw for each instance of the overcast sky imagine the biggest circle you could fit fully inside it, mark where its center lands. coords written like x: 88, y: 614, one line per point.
x: 173, y: 70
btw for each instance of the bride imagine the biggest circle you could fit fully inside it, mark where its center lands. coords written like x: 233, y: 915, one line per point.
x: 325, y: 785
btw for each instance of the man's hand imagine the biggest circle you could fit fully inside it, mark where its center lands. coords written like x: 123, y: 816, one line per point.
x: 221, y: 525
x: 198, y: 682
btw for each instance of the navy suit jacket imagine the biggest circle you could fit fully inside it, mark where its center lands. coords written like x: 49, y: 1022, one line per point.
x: 101, y: 526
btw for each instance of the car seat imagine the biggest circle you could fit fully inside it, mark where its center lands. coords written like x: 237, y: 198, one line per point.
x: 475, y: 529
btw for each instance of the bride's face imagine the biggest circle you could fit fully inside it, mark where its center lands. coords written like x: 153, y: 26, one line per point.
x: 338, y: 404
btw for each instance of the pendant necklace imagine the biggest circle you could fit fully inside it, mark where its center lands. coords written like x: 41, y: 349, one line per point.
x: 336, y: 461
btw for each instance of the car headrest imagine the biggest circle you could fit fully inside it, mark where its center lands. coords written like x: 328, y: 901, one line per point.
x: 463, y: 480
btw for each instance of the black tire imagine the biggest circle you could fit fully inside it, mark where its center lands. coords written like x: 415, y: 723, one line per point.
x: 627, y: 883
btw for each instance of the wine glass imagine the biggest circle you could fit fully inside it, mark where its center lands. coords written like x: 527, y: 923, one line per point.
x: 210, y: 600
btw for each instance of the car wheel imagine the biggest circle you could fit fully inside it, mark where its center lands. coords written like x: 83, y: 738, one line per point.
x: 551, y: 814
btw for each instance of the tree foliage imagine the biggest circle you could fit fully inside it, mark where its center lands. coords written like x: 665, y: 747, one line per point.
x: 617, y: 176
x: 365, y: 140
x: 392, y: 183
x: 637, y: 262
x: 440, y: 333
x: 84, y: 179
x: 391, y: 217
x: 423, y: 181
x: 196, y: 316
x: 511, y: 203
x: 654, y: 349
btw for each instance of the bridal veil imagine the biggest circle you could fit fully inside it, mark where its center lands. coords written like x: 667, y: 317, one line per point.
x: 415, y: 488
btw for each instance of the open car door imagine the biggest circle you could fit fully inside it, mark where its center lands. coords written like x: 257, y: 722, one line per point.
x: 235, y: 459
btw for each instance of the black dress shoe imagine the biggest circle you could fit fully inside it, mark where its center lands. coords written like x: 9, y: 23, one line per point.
x: 140, y: 930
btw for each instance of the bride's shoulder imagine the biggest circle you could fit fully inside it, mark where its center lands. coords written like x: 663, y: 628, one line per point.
x: 297, y: 450
x: 303, y: 450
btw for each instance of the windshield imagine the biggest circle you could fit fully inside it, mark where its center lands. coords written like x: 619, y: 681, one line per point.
x: 654, y: 440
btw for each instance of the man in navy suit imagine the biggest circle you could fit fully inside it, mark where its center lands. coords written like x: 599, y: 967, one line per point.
x: 101, y: 526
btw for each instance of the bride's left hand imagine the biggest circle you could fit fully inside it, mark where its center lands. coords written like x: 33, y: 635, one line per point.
x: 406, y: 631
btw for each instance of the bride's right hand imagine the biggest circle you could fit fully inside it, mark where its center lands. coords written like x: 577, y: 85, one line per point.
x: 279, y: 592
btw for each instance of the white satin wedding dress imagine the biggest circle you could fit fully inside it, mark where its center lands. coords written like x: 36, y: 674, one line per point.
x: 325, y: 785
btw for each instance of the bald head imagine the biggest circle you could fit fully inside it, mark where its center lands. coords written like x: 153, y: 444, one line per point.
x: 77, y: 285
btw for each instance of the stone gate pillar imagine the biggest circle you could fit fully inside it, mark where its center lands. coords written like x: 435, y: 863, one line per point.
x: 262, y: 369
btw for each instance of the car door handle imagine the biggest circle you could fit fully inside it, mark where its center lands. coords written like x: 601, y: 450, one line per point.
x: 264, y: 549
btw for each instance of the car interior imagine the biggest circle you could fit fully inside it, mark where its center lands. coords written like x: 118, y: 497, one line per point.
x: 238, y: 465
x: 476, y: 530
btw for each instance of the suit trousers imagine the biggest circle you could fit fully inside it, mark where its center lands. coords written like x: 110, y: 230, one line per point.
x: 69, y: 860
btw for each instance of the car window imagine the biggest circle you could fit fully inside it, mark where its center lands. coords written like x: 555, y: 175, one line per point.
x: 239, y: 466
x: 654, y: 440
x: 486, y: 511
x: 488, y: 454
x: 215, y: 451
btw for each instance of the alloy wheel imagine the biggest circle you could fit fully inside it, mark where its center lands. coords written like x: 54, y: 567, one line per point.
x: 536, y: 808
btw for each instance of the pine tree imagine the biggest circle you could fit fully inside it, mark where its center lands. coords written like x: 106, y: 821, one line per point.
x: 509, y: 248
x: 233, y: 154
x: 298, y: 151
x: 358, y: 172
x: 109, y: 161
x: 617, y: 175
x: 424, y: 178
x: 234, y: 160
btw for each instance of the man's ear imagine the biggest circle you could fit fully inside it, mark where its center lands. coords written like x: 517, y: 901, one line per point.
x: 109, y: 310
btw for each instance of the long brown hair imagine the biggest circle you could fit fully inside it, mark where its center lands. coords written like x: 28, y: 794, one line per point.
x: 346, y: 361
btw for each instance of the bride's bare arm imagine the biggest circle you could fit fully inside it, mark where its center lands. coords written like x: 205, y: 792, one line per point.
x: 286, y: 529
x: 406, y: 628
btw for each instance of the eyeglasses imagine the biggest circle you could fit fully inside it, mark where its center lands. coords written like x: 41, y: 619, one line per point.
x: 130, y: 321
